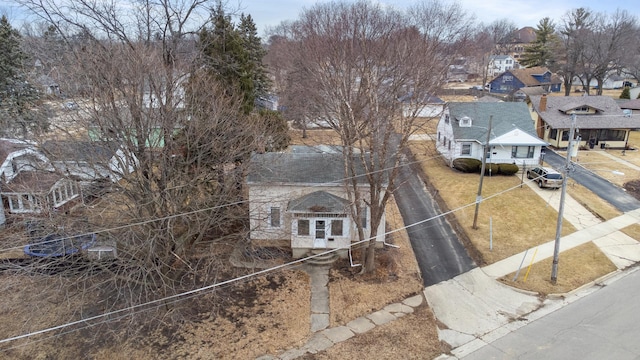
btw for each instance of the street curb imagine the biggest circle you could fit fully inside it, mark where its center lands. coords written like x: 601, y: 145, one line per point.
x: 598, y: 281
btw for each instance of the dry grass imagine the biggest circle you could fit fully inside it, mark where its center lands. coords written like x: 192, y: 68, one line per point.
x: 632, y: 231
x: 599, y: 207
x: 426, y: 125
x: 397, y: 279
x: 515, y: 211
x: 315, y: 137
x: 517, y: 217
x: 411, y: 337
x: 576, y: 267
x: 603, y: 166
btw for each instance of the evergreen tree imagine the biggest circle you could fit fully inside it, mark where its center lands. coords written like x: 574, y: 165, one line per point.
x: 17, y: 97
x: 234, y: 55
x: 626, y: 93
x: 255, y: 65
x: 541, y: 52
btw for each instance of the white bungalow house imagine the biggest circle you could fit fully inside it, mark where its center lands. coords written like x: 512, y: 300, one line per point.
x: 463, y: 128
x: 298, y: 199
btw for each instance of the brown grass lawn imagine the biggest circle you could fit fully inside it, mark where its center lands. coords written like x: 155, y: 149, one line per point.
x: 515, y: 211
x: 610, y: 170
x: 398, y: 278
x: 591, y: 201
x: 521, y: 220
x: 632, y: 231
x: 576, y: 267
x: 633, y: 154
x: 315, y: 137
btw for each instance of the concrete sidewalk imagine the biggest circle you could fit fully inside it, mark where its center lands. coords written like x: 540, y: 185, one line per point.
x: 477, y: 309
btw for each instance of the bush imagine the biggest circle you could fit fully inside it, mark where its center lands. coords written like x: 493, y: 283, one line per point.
x: 626, y: 94
x: 508, y: 169
x: 467, y: 165
x: 491, y: 168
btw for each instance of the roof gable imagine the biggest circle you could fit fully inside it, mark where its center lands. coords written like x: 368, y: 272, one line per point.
x: 319, y: 201
x: 518, y: 137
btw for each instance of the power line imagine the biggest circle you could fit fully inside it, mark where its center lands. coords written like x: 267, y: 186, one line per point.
x: 181, y: 296
x: 168, y: 217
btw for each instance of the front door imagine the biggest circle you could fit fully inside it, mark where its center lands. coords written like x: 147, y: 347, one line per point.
x: 320, y: 240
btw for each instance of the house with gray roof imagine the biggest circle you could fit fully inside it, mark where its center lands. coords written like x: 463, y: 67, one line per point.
x: 600, y: 121
x: 463, y: 130
x: 299, y: 199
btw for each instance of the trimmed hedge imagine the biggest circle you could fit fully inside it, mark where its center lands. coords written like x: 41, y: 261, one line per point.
x: 508, y: 169
x: 467, y: 165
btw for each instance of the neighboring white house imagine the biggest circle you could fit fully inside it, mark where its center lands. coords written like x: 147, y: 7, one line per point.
x: 499, y: 64
x: 463, y: 128
x: 299, y: 199
x: 37, y: 180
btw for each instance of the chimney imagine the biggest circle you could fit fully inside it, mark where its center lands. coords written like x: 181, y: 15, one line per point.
x: 543, y: 102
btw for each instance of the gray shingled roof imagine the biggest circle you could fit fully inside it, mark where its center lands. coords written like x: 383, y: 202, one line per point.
x: 506, y: 117
x: 608, y: 116
x: 85, y: 151
x: 630, y: 104
x: 319, y: 201
x: 300, y: 167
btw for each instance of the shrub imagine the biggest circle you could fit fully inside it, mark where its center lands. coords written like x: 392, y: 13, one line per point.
x: 508, y: 169
x: 491, y: 168
x: 467, y: 165
x: 626, y: 94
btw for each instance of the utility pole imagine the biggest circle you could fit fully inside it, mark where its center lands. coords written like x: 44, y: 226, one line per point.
x: 565, y: 175
x: 484, y: 163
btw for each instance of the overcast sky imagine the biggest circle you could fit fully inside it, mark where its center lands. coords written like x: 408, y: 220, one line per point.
x: 268, y: 13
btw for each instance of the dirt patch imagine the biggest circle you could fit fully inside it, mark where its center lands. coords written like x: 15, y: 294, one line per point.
x: 633, y: 188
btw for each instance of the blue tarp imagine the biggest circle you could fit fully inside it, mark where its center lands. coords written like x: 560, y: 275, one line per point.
x: 56, y: 245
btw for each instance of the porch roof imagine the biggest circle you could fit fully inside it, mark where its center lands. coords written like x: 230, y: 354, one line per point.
x: 319, y: 201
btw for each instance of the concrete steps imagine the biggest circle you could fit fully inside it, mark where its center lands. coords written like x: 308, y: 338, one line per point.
x: 322, y: 259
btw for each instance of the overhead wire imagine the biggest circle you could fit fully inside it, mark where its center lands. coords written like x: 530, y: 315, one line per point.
x: 181, y: 296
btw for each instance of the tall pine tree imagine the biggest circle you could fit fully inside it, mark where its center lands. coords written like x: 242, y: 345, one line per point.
x: 18, y: 98
x: 541, y: 52
x: 234, y: 55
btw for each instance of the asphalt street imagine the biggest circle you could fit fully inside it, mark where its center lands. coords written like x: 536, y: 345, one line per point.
x: 603, y: 325
x: 601, y: 187
x: 440, y: 254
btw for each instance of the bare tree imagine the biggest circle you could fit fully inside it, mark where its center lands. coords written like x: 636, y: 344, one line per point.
x: 577, y: 25
x: 176, y: 184
x: 605, y: 46
x: 490, y: 40
x: 352, y: 63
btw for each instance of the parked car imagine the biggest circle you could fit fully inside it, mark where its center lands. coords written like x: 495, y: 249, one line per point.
x: 545, y: 177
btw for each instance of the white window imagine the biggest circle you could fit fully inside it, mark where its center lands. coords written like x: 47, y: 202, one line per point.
x: 522, y: 152
x: 466, y: 149
x: 274, y: 217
